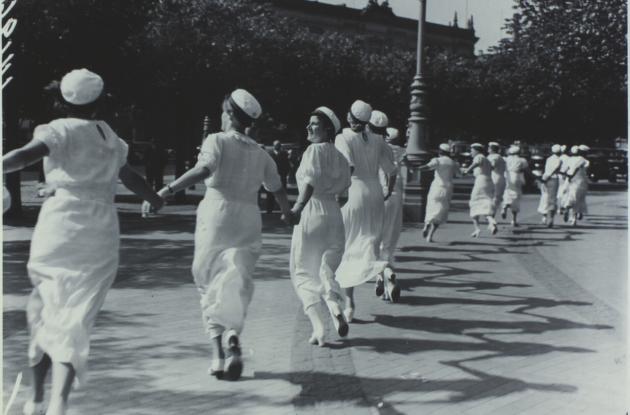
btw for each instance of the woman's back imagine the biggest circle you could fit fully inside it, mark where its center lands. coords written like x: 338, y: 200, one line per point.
x: 238, y: 166
x: 366, y: 152
x: 83, y: 153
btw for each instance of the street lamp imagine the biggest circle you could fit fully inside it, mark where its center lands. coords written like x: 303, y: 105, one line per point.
x: 417, y: 153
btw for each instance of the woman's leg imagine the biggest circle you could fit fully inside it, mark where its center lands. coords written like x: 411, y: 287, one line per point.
x: 476, y: 232
x: 40, y: 371
x: 432, y: 230
x: 514, y: 215
x: 62, y: 378
x: 318, y: 326
x: 349, y: 311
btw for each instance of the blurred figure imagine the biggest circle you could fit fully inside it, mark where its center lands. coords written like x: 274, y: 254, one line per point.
x: 516, y: 167
x: 482, y: 194
x: 155, y: 159
x: 281, y: 159
x: 575, y: 202
x: 441, y: 190
x: 549, y: 186
x: 498, y: 174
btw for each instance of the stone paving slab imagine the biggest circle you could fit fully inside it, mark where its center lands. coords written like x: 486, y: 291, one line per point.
x: 514, y: 324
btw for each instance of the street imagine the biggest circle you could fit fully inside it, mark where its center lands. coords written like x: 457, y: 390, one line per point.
x: 531, y: 321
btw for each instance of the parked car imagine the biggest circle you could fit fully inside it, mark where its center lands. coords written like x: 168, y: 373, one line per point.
x: 607, y: 164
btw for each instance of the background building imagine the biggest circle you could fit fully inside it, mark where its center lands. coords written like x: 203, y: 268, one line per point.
x: 378, y: 26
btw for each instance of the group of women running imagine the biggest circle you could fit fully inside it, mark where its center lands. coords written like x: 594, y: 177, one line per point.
x: 346, y: 221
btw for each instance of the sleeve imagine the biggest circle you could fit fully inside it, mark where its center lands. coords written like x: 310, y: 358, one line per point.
x: 53, y: 140
x: 123, y: 152
x: 342, y: 145
x: 271, y: 177
x: 433, y: 163
x: 210, y: 153
x: 386, y: 159
x: 478, y: 159
x: 307, y: 172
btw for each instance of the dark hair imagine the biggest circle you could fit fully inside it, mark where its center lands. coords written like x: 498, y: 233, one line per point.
x: 327, y: 124
x: 237, y: 112
x: 356, y: 124
x: 443, y: 152
x: 378, y: 130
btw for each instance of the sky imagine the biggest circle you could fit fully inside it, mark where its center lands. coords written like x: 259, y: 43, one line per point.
x: 489, y: 15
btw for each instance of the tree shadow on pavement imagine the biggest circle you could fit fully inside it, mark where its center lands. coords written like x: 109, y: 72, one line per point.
x: 321, y: 387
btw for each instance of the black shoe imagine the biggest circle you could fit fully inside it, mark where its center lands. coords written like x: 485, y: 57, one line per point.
x: 235, y: 365
x: 394, y: 291
x: 565, y: 215
x: 342, y: 326
x: 504, y: 214
x: 380, y: 286
x: 425, y: 231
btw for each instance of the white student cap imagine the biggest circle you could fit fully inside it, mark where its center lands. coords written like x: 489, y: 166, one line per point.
x: 444, y: 147
x: 81, y: 87
x: 556, y: 148
x: 246, y: 102
x: 493, y: 144
x: 378, y: 119
x: 514, y: 150
x: 574, y: 149
x: 331, y: 116
x: 584, y: 147
x: 361, y: 111
x: 478, y: 146
x: 392, y: 133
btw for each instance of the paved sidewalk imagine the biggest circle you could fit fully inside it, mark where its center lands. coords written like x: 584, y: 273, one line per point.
x: 531, y: 321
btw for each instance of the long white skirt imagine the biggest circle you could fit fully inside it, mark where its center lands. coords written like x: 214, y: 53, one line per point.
x: 438, y: 202
x: 499, y: 187
x: 576, y: 195
x: 549, y: 196
x: 513, y: 192
x: 563, y: 191
x: 72, y: 265
x: 392, y: 226
x: 316, y: 250
x: 227, y: 246
x: 363, y: 223
x: 481, y: 197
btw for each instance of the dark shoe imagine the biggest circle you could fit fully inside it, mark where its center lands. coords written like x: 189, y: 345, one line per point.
x: 380, y: 286
x: 425, y: 231
x: 235, y: 365
x: 393, y: 289
x: 565, y: 215
x: 341, y: 325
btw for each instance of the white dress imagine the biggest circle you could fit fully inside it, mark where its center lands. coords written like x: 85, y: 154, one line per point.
x: 228, y: 230
x: 515, y: 169
x: 578, y: 186
x: 74, y: 250
x: 393, y: 221
x: 318, y: 240
x: 441, y: 190
x: 363, y: 213
x: 563, y: 185
x: 482, y: 194
x: 549, y: 190
x: 498, y: 178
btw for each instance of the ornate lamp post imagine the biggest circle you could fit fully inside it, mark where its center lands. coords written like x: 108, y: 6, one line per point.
x: 417, y: 145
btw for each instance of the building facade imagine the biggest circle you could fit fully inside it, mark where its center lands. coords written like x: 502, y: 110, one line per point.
x: 377, y: 26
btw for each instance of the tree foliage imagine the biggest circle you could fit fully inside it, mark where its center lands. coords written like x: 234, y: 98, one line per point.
x: 562, y: 73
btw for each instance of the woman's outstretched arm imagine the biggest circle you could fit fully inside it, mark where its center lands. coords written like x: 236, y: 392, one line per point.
x: 23, y: 157
x: 134, y: 182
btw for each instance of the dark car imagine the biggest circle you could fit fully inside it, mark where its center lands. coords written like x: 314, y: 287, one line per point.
x: 607, y: 164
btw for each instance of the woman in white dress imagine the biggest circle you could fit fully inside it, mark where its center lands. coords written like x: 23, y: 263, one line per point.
x: 575, y: 202
x: 74, y: 248
x: 482, y: 194
x: 498, y: 174
x: 318, y: 240
x: 363, y: 213
x: 393, y: 217
x: 441, y: 190
x: 228, y: 230
x: 516, y: 168
x: 549, y: 186
x: 563, y: 187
